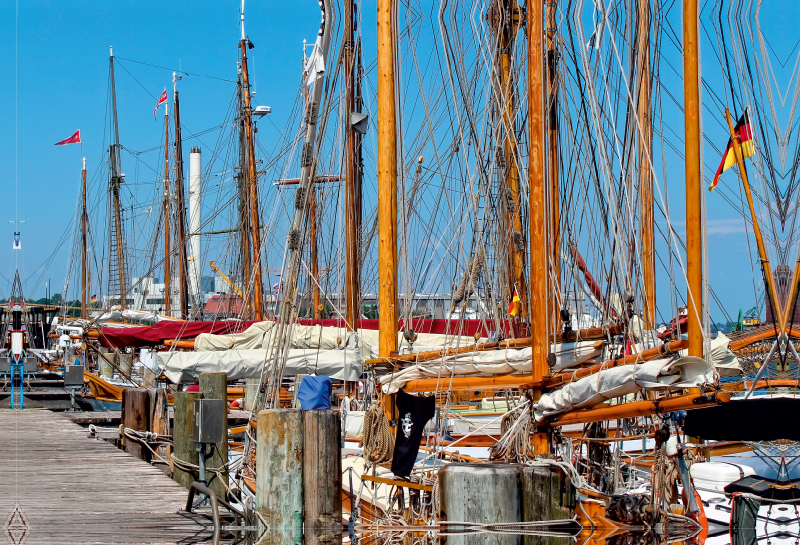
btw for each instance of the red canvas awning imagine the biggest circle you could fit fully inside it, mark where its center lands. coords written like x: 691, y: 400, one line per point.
x: 143, y: 336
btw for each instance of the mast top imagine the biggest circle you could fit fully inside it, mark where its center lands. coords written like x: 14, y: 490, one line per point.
x: 111, y: 47
x: 241, y: 17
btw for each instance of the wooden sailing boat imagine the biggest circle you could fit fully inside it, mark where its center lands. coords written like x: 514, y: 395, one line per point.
x: 561, y: 205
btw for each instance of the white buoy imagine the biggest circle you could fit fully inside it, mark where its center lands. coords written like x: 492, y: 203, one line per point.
x: 195, y: 266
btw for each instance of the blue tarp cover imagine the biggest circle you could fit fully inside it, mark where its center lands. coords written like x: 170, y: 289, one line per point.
x: 315, y: 393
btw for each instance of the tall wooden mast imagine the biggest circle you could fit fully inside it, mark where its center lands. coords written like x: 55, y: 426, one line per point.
x: 167, y: 217
x: 537, y: 202
x: 353, y: 173
x: 504, y: 16
x: 553, y: 204
x: 116, y: 245
x: 646, y: 220
x: 84, y: 244
x: 243, y: 192
x: 180, y: 206
x: 694, y: 196
x: 252, y: 184
x: 387, y: 182
x: 312, y: 234
x: 780, y: 311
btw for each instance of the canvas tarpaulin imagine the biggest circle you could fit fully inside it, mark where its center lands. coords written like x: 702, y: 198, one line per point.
x: 490, y: 362
x: 722, y: 357
x: 260, y: 335
x: 137, y: 336
x: 623, y: 380
x: 140, y: 336
x: 242, y: 364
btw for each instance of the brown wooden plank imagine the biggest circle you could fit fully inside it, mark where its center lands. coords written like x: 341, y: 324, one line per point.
x: 70, y: 488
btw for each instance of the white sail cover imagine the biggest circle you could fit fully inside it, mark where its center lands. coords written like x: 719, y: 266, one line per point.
x: 490, y: 362
x: 259, y: 335
x: 241, y: 364
x: 623, y: 380
x: 722, y: 357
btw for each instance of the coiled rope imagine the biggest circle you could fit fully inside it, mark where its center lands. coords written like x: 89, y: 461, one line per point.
x: 378, y: 440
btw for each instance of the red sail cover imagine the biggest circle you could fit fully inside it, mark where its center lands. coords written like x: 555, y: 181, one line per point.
x: 143, y: 336
x: 152, y: 335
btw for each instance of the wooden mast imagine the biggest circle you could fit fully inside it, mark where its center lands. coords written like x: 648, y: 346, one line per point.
x: 180, y: 207
x: 244, y: 206
x: 252, y: 183
x: 387, y: 182
x: 537, y: 203
x: 167, y: 216
x: 116, y: 180
x: 645, y: 174
x: 84, y: 222
x: 694, y: 220
x: 780, y: 311
x: 505, y: 17
x: 312, y: 233
x: 553, y: 203
x: 353, y: 174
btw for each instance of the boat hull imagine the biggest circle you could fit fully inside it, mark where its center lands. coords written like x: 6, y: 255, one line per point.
x: 94, y: 404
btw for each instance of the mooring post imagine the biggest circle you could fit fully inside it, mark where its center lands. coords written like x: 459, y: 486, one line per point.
x: 547, y: 494
x: 106, y: 369
x: 322, y: 477
x: 183, y: 447
x: 279, y: 474
x: 483, y: 493
x: 251, y: 386
x: 215, y: 386
x: 125, y: 363
x: 136, y: 416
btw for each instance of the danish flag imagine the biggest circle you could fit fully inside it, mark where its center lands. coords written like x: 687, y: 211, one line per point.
x: 162, y: 100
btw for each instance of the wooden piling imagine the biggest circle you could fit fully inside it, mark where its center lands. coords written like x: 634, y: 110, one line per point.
x: 322, y: 477
x: 183, y: 444
x: 279, y: 474
x: 125, y: 363
x: 215, y: 386
x: 547, y: 494
x: 148, y: 377
x: 251, y: 392
x: 495, y: 495
x: 106, y: 369
x: 136, y: 416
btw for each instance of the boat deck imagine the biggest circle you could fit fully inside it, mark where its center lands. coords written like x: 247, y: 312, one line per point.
x: 57, y: 485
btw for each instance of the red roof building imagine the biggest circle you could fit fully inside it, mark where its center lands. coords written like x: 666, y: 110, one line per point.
x: 224, y: 306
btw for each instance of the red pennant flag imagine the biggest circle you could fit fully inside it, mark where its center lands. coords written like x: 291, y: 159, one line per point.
x: 162, y: 99
x: 74, y: 139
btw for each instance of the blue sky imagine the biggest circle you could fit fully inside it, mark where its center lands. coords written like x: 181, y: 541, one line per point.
x: 62, y: 82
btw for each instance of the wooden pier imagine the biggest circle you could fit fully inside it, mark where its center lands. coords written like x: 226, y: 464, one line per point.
x: 58, y: 485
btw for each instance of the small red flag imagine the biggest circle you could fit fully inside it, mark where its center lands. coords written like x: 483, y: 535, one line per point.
x: 74, y: 139
x: 161, y: 100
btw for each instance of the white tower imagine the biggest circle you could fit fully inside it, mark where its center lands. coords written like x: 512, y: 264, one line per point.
x: 195, y: 266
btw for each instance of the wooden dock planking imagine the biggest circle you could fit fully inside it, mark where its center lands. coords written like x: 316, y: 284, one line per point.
x: 74, y: 489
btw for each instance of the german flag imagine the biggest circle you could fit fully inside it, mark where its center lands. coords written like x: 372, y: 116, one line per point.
x: 745, y: 132
x: 513, y: 307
